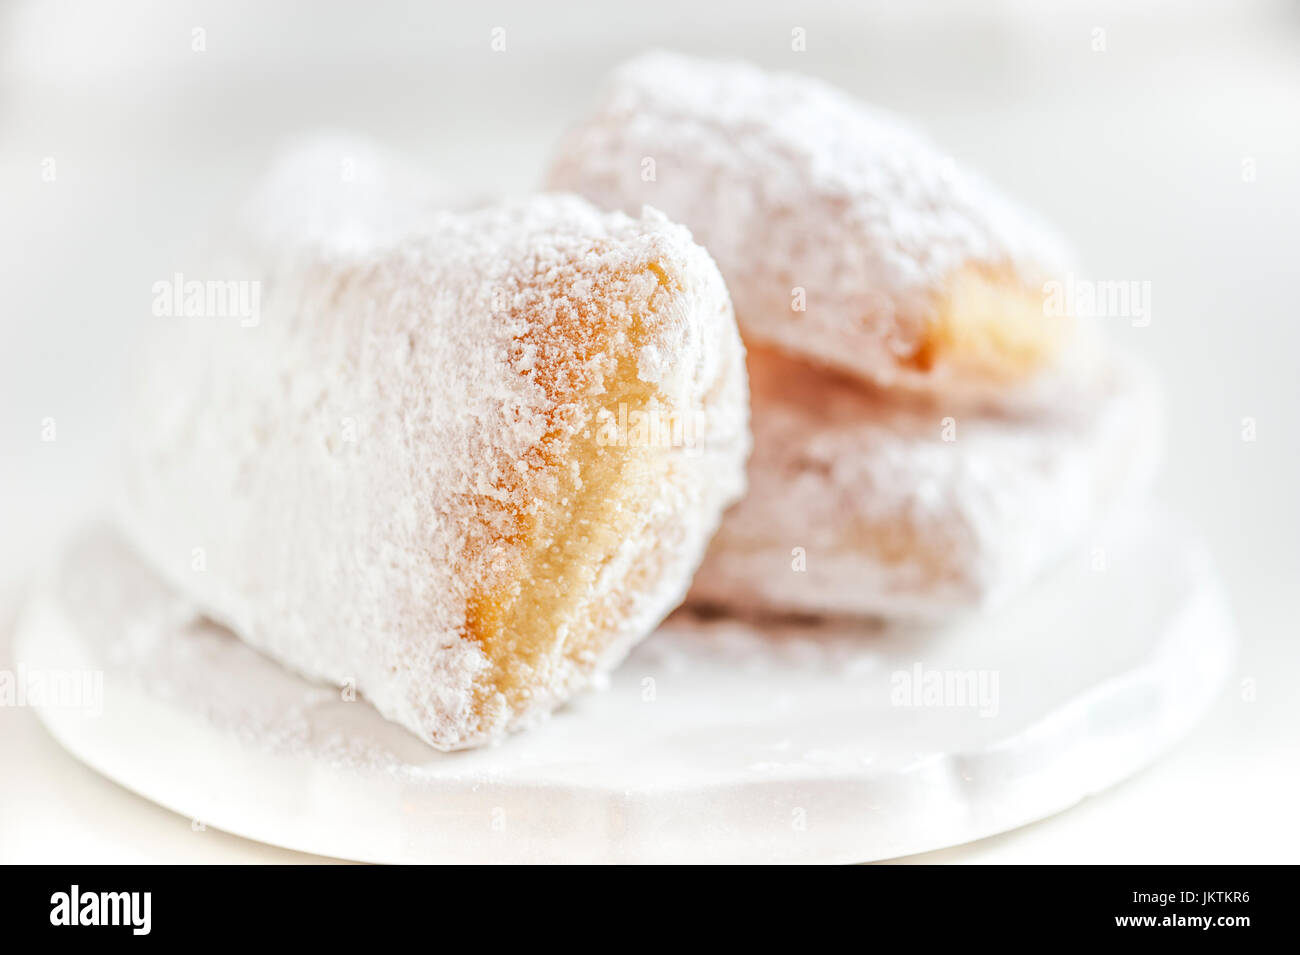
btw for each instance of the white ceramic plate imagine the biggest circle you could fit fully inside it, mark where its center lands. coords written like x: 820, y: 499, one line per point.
x: 717, y: 740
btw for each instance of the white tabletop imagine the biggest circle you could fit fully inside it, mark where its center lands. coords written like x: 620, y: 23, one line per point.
x: 1167, y: 145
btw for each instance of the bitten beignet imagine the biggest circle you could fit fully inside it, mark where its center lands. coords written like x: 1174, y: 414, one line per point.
x: 397, y: 480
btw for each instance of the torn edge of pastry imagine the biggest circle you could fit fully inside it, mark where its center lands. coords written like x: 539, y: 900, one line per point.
x: 488, y: 546
x: 622, y: 370
x: 846, y: 237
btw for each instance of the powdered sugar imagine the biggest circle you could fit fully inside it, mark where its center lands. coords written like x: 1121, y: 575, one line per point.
x: 863, y: 503
x: 851, y: 241
x: 798, y: 190
x: 338, y: 483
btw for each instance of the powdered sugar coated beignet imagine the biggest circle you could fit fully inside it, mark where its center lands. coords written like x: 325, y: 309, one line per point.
x: 396, y: 479
x: 867, y: 503
x: 845, y: 237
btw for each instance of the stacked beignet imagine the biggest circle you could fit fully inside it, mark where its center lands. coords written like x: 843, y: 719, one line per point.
x: 927, y: 436
x: 866, y: 503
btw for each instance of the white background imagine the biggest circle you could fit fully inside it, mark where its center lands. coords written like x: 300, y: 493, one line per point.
x: 1141, y: 152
